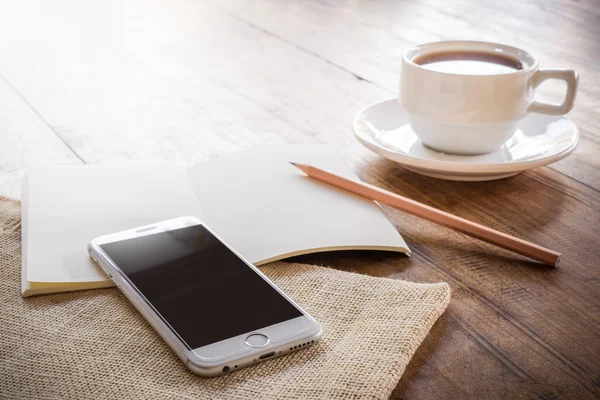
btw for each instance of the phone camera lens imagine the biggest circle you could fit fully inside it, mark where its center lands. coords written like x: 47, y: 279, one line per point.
x: 225, y: 369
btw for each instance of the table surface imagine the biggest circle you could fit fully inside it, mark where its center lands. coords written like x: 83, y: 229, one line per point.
x: 180, y: 81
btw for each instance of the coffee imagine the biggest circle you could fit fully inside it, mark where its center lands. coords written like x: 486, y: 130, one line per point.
x: 469, y: 63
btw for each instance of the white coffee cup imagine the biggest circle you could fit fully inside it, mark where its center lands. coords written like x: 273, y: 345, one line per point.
x: 461, y: 113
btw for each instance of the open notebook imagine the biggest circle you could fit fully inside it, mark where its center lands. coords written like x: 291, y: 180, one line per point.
x: 255, y: 200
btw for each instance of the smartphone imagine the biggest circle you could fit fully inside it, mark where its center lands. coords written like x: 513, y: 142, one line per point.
x: 216, y: 310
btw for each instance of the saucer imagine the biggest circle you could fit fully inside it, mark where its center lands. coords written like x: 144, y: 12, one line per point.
x: 539, y: 140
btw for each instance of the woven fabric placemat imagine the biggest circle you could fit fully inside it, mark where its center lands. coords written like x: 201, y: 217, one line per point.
x: 94, y: 344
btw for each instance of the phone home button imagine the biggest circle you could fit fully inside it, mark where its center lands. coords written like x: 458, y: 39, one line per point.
x: 257, y: 340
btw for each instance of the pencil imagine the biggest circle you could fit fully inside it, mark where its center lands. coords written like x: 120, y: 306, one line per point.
x: 440, y: 217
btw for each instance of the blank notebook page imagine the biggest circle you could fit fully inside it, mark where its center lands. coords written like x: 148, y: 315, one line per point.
x: 265, y: 208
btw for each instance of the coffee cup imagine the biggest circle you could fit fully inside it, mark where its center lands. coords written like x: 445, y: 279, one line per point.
x: 466, y: 97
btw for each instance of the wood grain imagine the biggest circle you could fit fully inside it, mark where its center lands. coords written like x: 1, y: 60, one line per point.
x: 25, y: 139
x: 181, y: 81
x: 513, y: 326
x: 366, y: 39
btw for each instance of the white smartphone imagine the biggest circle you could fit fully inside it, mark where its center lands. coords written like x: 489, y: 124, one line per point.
x: 216, y: 311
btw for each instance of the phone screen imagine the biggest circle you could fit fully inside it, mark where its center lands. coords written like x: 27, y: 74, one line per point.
x: 204, y: 291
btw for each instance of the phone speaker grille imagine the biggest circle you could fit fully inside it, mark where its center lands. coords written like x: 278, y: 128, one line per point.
x: 149, y: 228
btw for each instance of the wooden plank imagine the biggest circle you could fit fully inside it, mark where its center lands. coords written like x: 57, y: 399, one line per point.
x: 513, y: 328
x: 25, y: 139
x: 122, y: 90
x: 367, y: 39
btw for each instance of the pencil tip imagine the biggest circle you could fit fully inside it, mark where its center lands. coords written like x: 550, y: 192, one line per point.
x: 293, y: 163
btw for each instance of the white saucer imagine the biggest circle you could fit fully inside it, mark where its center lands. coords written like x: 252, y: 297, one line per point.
x: 539, y: 140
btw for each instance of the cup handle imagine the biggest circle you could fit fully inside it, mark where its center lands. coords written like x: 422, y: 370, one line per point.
x: 569, y: 76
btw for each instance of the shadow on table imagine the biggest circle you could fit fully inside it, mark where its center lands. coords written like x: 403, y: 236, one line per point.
x: 422, y: 355
x: 367, y: 262
x: 516, y: 204
x: 437, y: 249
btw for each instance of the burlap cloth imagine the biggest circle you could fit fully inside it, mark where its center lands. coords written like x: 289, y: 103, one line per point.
x: 94, y: 345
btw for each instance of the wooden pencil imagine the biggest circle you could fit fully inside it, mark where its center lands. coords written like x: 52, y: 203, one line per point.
x: 459, y: 224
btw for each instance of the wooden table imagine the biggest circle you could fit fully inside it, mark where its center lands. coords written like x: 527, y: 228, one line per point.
x: 180, y: 81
